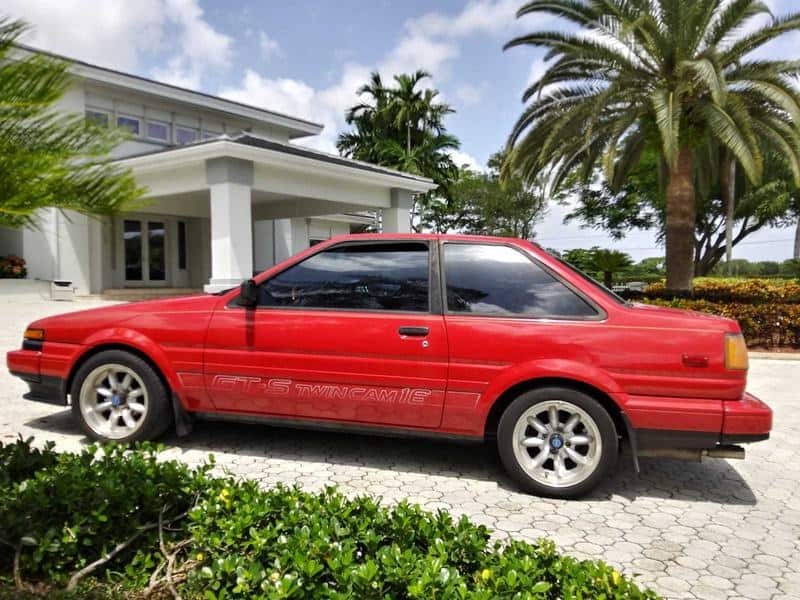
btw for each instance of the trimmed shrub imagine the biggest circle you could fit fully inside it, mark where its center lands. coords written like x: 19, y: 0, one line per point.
x: 766, y: 324
x: 117, y: 519
x: 12, y: 267
x: 743, y: 291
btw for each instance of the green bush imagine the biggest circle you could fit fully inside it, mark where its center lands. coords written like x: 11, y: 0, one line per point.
x: 742, y: 291
x: 766, y: 324
x: 148, y: 526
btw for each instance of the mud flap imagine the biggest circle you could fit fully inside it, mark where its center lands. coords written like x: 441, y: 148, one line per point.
x: 632, y: 441
x: 183, y: 420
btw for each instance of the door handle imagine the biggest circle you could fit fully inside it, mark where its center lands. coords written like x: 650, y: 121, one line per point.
x: 414, y: 331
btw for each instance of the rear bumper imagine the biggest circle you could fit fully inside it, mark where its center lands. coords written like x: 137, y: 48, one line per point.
x: 25, y: 364
x: 745, y: 420
x: 698, y: 424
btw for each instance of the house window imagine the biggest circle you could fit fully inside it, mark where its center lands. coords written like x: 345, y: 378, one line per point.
x: 314, y: 242
x: 182, y: 245
x: 97, y: 117
x: 156, y: 130
x: 210, y: 134
x: 132, y: 124
x: 185, y: 135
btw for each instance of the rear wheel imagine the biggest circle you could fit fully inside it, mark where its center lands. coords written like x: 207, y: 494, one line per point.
x: 117, y: 396
x: 557, y: 442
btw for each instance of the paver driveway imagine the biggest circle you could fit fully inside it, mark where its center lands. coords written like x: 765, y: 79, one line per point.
x: 717, y: 529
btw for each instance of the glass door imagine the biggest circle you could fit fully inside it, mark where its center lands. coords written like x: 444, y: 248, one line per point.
x: 145, y: 251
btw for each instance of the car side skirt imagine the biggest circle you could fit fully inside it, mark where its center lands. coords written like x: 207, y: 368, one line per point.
x: 337, y: 426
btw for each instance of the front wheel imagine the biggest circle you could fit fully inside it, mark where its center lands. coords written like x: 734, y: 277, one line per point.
x: 117, y: 396
x: 557, y: 442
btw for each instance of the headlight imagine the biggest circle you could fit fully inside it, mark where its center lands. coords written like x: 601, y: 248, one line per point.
x: 735, y: 352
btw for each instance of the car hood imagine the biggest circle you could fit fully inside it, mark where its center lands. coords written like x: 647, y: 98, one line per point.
x: 73, y: 327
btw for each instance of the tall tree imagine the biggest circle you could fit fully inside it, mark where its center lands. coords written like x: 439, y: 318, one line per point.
x: 480, y: 203
x: 47, y: 158
x: 609, y: 262
x: 641, y: 202
x: 676, y: 72
x: 402, y: 127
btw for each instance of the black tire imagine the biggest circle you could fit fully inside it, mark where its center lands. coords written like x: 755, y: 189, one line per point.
x: 606, y: 458
x: 158, y: 416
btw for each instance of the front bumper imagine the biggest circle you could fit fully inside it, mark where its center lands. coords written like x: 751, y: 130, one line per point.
x: 25, y: 364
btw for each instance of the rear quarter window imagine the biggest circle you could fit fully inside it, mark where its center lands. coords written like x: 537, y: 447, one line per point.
x: 486, y: 279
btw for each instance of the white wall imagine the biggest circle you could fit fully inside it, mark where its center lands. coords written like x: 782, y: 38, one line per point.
x: 40, y: 245
x: 263, y: 245
x: 10, y: 241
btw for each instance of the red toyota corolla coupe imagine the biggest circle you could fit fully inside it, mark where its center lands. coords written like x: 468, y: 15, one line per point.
x: 461, y: 337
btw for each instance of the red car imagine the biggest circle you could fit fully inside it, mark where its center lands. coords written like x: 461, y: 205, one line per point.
x: 460, y: 337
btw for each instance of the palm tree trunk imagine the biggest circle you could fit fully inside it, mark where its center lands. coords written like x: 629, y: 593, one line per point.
x: 727, y: 180
x: 797, y: 239
x: 608, y: 279
x: 680, y: 224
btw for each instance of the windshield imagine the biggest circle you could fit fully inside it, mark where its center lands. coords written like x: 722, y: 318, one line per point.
x: 587, y: 278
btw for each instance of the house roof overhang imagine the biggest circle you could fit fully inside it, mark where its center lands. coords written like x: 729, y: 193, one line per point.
x: 290, y: 157
x: 293, y: 126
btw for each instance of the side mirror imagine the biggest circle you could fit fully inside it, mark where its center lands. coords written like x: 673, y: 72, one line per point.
x: 248, y: 293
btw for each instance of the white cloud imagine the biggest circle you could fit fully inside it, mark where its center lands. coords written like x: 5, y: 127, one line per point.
x: 429, y: 42
x: 469, y: 94
x: 108, y: 33
x: 292, y: 97
x: 479, y: 16
x: 111, y: 34
x: 201, y: 47
x: 464, y: 159
x: 269, y: 46
x: 420, y: 52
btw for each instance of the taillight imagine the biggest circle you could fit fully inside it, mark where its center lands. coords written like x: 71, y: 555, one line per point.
x: 735, y: 352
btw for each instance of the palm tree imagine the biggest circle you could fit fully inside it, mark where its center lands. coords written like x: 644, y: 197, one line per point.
x: 672, y: 72
x: 609, y: 262
x: 402, y: 127
x: 49, y: 159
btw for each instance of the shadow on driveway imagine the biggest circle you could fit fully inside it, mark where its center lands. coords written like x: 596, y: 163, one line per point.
x: 713, y: 480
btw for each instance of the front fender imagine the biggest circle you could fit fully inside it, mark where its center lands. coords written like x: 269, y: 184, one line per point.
x: 124, y: 337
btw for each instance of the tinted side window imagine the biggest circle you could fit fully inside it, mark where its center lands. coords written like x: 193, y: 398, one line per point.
x: 487, y: 279
x: 362, y: 276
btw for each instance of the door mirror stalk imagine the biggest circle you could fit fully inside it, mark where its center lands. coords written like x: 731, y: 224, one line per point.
x: 248, y: 293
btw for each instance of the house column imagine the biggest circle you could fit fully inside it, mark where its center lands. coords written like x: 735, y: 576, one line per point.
x: 230, y: 182
x: 397, y: 218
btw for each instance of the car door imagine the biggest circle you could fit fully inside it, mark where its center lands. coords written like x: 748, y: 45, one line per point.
x: 351, y: 333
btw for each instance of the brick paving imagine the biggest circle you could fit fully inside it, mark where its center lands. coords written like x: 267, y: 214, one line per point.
x: 717, y: 529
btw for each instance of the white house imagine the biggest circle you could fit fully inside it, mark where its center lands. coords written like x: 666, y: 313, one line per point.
x: 228, y: 192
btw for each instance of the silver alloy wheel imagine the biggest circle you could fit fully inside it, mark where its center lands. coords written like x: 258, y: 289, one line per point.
x: 557, y: 443
x: 113, y: 401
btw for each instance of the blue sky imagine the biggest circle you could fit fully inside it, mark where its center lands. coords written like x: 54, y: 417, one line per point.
x: 307, y: 58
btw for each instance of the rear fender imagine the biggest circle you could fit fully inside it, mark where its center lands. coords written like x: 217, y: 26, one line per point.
x: 545, y: 369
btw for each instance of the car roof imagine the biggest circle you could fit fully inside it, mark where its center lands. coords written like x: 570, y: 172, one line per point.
x: 422, y: 236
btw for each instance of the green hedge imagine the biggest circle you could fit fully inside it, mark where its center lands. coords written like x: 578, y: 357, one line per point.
x: 768, y: 310
x: 768, y: 325
x: 734, y: 290
x: 111, y: 522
